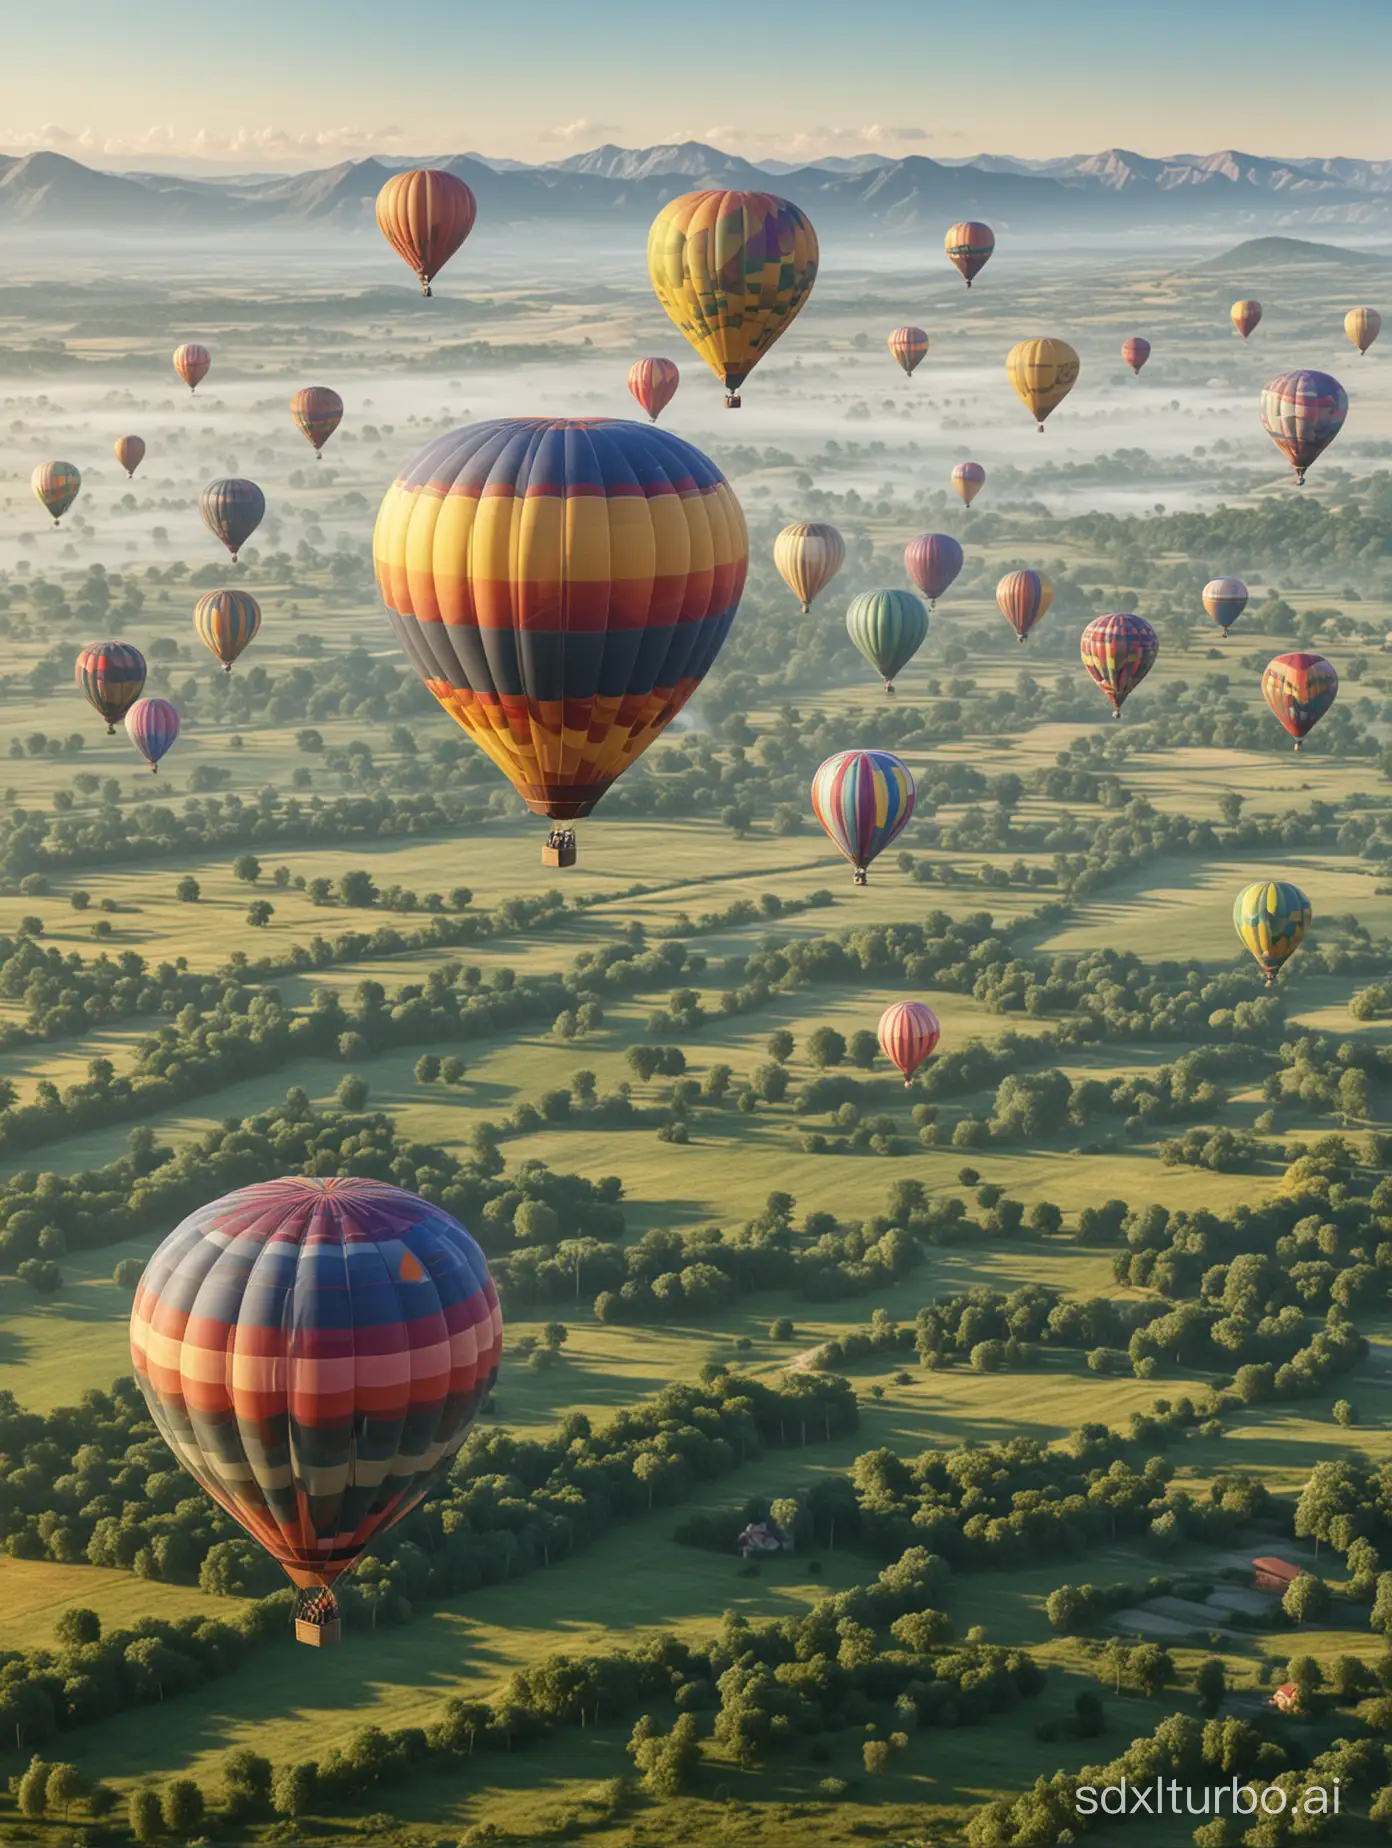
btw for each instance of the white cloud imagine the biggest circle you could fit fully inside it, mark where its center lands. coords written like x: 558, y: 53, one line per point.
x: 249, y: 146
x: 581, y: 130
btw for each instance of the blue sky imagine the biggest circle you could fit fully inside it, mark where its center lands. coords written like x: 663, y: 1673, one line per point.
x: 298, y: 83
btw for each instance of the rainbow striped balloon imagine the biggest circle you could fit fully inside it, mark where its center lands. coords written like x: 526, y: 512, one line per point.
x: 152, y: 725
x: 1302, y: 413
x: 1119, y: 651
x: 1022, y: 597
x: 314, y: 1352
x: 225, y: 621
x: 1272, y: 917
x: 909, y: 1031
x: 112, y: 678
x: 864, y: 800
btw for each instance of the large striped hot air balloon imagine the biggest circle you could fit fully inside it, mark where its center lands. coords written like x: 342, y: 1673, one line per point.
x: 864, y: 800
x: 191, y: 362
x: 933, y: 560
x: 969, y: 246
x: 232, y: 510
x: 909, y: 1031
x: 888, y: 627
x: 733, y: 270
x: 130, y: 453
x: 908, y: 345
x: 808, y: 554
x: 1244, y: 316
x: 1362, y: 325
x: 425, y: 216
x: 225, y: 621
x: 1302, y: 413
x: 1300, y: 689
x: 112, y: 677
x: 654, y: 383
x: 1119, y: 651
x: 1022, y: 598
x: 561, y: 586
x: 1225, y: 599
x: 152, y: 725
x: 1043, y: 372
x: 55, y: 486
x: 1135, y: 351
x: 317, y: 411
x: 969, y: 478
x: 1272, y: 917
x: 314, y: 1353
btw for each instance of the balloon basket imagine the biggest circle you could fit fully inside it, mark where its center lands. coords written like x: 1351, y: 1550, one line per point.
x: 560, y: 849
x: 316, y: 1618
x: 861, y: 876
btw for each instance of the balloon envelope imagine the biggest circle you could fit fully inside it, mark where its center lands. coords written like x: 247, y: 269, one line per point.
x: 112, y: 677
x: 425, y: 216
x: 1362, y: 325
x: 562, y: 587
x: 317, y: 411
x: 191, y: 362
x: 808, y: 554
x: 1225, y: 599
x: 1119, y: 650
x: 908, y: 346
x: 1022, y: 598
x: 1302, y: 413
x: 1300, y: 689
x: 933, y: 560
x: 968, y: 478
x: 1135, y: 351
x: 1245, y: 315
x: 314, y: 1353
x: 1272, y: 917
x: 732, y: 270
x: 225, y: 621
x: 653, y: 383
x: 864, y: 800
x: 1043, y: 372
x: 232, y: 510
x: 55, y: 485
x: 909, y: 1031
x: 969, y: 246
x: 130, y: 452
x: 152, y: 725
x: 888, y: 627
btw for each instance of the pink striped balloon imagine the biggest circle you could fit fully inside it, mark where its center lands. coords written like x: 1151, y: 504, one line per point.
x: 653, y: 383
x: 909, y: 1031
x: 152, y: 725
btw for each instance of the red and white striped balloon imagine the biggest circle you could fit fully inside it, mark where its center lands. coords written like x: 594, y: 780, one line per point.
x: 909, y: 1031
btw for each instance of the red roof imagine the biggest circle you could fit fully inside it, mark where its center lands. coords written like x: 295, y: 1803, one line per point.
x: 1277, y: 1568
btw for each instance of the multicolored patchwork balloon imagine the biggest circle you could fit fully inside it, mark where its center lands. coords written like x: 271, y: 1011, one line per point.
x: 909, y: 1031
x: 112, y: 677
x: 808, y: 554
x: 1022, y: 598
x: 933, y: 561
x: 1300, y: 689
x: 314, y: 1353
x: 317, y: 411
x: 969, y: 246
x: 1302, y: 413
x: 1272, y: 917
x: 888, y: 627
x: 909, y: 346
x: 225, y: 621
x: 152, y: 725
x: 1119, y: 650
x: 654, y: 383
x: 55, y: 486
x: 864, y: 800
x: 1225, y: 599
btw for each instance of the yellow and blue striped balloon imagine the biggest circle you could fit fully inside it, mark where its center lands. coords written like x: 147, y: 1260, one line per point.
x: 864, y: 800
x: 1272, y: 917
x: 226, y: 620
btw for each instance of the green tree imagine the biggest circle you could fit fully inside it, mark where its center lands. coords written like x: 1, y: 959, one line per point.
x: 65, y: 1785
x: 31, y: 1792
x: 1306, y: 1597
x: 182, y: 1807
x: 876, y: 1754
x: 77, y: 1625
x: 427, y: 1068
x: 144, y: 1814
x: 780, y: 1045
x: 864, y: 1049
x: 352, y: 1092
x: 247, y: 868
x: 259, y: 913
x: 825, y: 1047
x: 292, y: 1789
x: 188, y: 891
x: 1211, y: 1685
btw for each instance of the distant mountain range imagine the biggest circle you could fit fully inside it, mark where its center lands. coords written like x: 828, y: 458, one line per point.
x: 871, y: 192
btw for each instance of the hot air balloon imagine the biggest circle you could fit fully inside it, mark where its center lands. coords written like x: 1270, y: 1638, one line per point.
x: 561, y: 586
x: 1272, y: 917
x: 732, y: 269
x: 1302, y: 413
x: 1300, y: 689
x: 1225, y: 599
x: 654, y: 383
x: 909, y: 345
x: 232, y: 511
x: 968, y: 478
x: 808, y: 555
x: 425, y: 216
x: 1043, y: 373
x: 191, y: 362
x: 1022, y: 598
x: 56, y: 485
x: 130, y: 453
x: 112, y: 676
x: 314, y: 1353
x: 1135, y: 351
x: 1119, y: 651
x: 908, y: 1033
x: 888, y: 627
x: 933, y: 561
x: 864, y: 800
x: 226, y: 620
x: 969, y: 246
x: 317, y: 411
x: 1244, y: 316
x: 1362, y: 325
x: 152, y: 725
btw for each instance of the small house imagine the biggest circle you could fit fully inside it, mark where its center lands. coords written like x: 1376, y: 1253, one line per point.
x: 1274, y: 1575
x: 1286, y: 1699
x: 762, y: 1537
